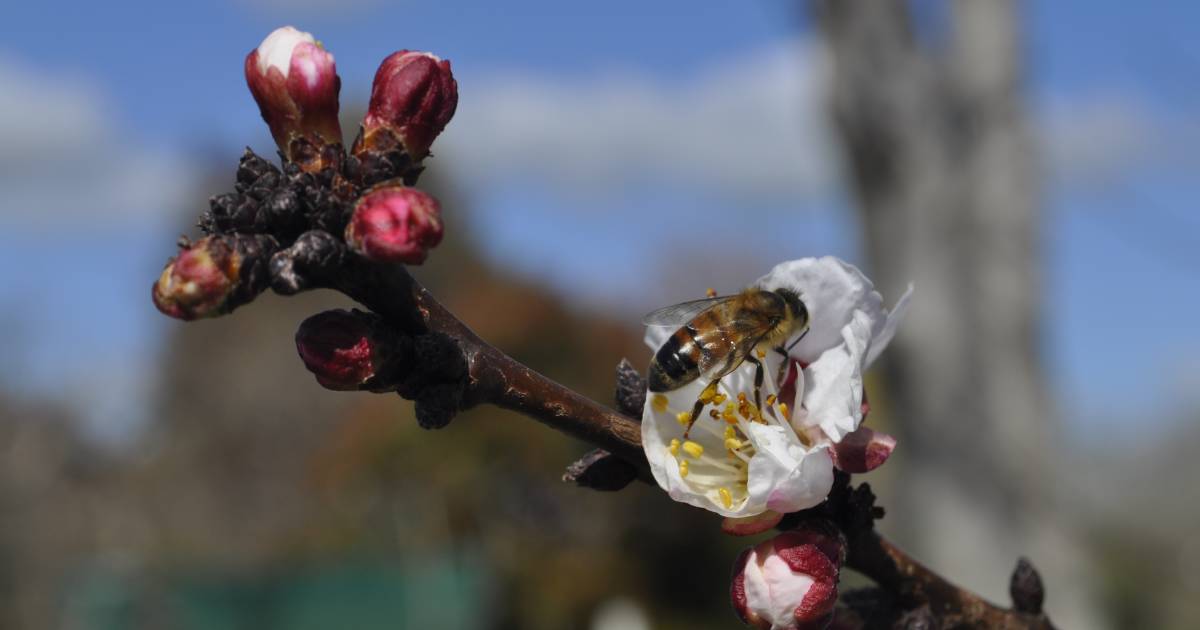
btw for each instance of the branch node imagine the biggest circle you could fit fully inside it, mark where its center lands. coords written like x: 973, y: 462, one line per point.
x: 306, y: 262
x: 601, y: 470
x: 631, y: 390
x: 917, y: 619
x: 1026, y: 588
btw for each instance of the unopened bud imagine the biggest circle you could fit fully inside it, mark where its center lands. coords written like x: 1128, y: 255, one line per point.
x: 295, y: 82
x: 413, y: 98
x: 352, y: 350
x: 392, y: 223
x: 214, y: 275
x: 790, y: 581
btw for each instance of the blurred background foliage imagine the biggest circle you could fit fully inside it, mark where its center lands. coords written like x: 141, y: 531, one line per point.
x: 160, y: 475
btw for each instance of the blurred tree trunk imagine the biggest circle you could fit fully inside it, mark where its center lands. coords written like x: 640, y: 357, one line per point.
x: 939, y: 152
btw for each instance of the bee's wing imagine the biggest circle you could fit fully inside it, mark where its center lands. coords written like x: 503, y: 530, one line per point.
x: 737, y: 339
x: 682, y: 313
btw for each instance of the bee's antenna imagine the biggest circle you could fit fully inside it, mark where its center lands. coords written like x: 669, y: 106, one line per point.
x: 793, y: 344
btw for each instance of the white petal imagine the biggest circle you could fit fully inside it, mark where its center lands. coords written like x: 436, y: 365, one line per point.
x: 832, y: 290
x: 659, y: 428
x: 787, y: 588
x: 784, y: 476
x: 276, y: 50
x: 834, y: 384
x: 758, y: 592
x: 883, y: 336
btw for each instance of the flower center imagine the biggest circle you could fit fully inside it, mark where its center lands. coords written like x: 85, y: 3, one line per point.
x: 716, y: 461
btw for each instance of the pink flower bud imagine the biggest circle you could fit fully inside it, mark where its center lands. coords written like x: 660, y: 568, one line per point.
x: 213, y: 275
x: 295, y: 82
x: 413, y: 98
x: 790, y: 581
x: 392, y: 223
x: 349, y: 350
x: 862, y: 450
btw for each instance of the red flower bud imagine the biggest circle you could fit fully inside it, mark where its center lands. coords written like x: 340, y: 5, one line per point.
x: 413, y: 98
x: 392, y: 223
x: 790, y: 581
x: 213, y: 276
x: 295, y: 83
x: 350, y: 350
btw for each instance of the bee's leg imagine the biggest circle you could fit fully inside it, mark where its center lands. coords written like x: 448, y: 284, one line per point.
x: 696, y: 409
x: 758, y: 380
x: 706, y: 396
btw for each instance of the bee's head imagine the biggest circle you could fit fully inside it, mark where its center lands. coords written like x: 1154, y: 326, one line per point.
x: 796, y: 309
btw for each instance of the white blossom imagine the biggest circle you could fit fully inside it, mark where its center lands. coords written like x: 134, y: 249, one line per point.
x: 739, y: 461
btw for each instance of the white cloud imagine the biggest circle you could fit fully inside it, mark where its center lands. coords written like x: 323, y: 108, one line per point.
x: 753, y: 127
x: 1087, y: 139
x: 63, y: 158
x: 750, y: 127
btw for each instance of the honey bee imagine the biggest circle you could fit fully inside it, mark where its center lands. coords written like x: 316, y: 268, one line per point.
x: 718, y: 334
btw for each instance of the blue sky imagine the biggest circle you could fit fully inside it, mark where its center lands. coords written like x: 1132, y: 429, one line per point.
x: 582, y: 144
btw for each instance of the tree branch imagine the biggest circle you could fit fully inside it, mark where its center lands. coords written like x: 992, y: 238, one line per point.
x: 493, y: 377
x: 445, y: 367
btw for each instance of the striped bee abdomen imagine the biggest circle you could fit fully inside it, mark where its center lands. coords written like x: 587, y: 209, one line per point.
x: 676, y: 363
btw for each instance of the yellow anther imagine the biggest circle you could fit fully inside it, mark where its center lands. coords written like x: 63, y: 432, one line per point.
x: 684, y: 417
x: 726, y: 498
x: 770, y: 399
x: 683, y: 468
x: 730, y: 433
x: 733, y: 444
x: 741, y: 397
x: 761, y: 354
x: 709, y: 393
x: 674, y: 447
x: 658, y: 402
x: 783, y: 408
x: 718, y: 399
x: 693, y: 449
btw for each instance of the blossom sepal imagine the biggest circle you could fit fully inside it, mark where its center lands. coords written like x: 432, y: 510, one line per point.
x: 294, y: 81
x: 790, y: 581
x: 750, y: 525
x: 413, y: 98
x: 353, y: 350
x: 214, y: 275
x: 862, y: 450
x: 394, y: 223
